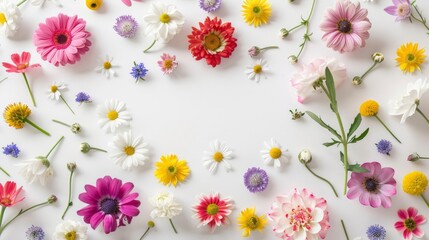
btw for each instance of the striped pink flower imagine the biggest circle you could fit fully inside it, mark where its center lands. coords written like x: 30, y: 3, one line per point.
x: 409, y: 223
x: 212, y: 210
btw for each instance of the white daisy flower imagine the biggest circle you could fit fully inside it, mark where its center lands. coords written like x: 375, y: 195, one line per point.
x: 55, y: 93
x: 70, y: 229
x: 408, y: 104
x: 164, y: 206
x: 274, y: 153
x: 257, y: 70
x: 163, y: 22
x: 106, y: 67
x: 128, y: 151
x: 10, y: 18
x: 219, y: 153
x: 113, y: 115
x: 40, y: 3
x: 35, y: 170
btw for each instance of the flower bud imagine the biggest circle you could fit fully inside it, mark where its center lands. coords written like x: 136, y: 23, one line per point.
x: 44, y: 161
x: 283, y: 33
x: 413, y: 157
x: 305, y: 156
x: 75, y: 128
x: 357, y: 80
x: 377, y: 57
x: 254, y: 51
x: 71, y: 166
x: 150, y: 224
x: 85, y: 147
x: 292, y: 59
x: 52, y: 199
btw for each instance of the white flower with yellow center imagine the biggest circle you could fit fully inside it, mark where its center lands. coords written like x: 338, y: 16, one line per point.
x: 219, y: 153
x: 113, y: 115
x: 106, y: 67
x: 274, y: 153
x: 128, y: 151
x: 10, y: 18
x: 55, y: 93
x: 257, y: 70
x: 163, y: 22
x: 70, y: 230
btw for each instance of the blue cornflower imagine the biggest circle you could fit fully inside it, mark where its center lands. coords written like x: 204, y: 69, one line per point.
x: 35, y: 233
x: 12, y: 150
x: 384, y: 146
x: 83, y: 98
x: 139, y: 71
x: 376, y: 232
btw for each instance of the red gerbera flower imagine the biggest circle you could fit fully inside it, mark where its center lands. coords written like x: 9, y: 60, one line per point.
x: 212, y: 211
x: 212, y: 41
x: 9, y: 194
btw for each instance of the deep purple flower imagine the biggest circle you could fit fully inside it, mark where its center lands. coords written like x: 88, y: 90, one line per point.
x: 401, y: 9
x: 83, y: 98
x: 110, y: 202
x: 35, y: 233
x: 12, y: 150
x: 255, y: 179
x: 376, y: 232
x: 384, y: 147
x: 126, y: 26
x: 210, y: 5
x: 139, y: 71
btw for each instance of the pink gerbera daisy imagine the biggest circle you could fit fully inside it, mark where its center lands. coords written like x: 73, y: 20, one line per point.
x: 410, y: 223
x: 167, y: 63
x: 346, y: 26
x: 9, y: 194
x: 375, y: 187
x: 62, y: 39
x: 212, y: 211
x: 109, y: 202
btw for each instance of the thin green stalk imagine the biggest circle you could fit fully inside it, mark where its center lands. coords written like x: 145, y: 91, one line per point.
x: 3, y: 209
x: 425, y: 200
x: 422, y: 20
x: 144, y: 234
x: 5, y: 172
x: 306, y: 22
x: 4, y: 79
x: 28, y: 85
x: 423, y: 115
x: 20, y: 3
x: 384, y: 125
x: 363, y: 75
x: 65, y: 124
x: 69, y: 202
x: 36, y: 126
x: 62, y: 98
x: 98, y: 149
x: 147, y: 49
x: 323, y: 179
x: 269, y: 47
x: 345, y: 230
x: 297, y: 26
x: 59, y: 140
x: 174, y: 228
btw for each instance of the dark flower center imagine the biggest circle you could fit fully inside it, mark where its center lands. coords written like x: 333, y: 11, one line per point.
x: 256, y: 9
x: 109, y: 206
x: 212, y: 42
x: 344, y: 26
x: 371, y: 185
x: 252, y: 223
x: 61, y: 39
x: 410, y: 224
x: 93, y: 5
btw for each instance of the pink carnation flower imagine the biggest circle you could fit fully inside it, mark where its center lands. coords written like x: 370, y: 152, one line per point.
x: 409, y: 223
x: 310, y: 74
x: 62, y: 39
x: 374, y: 188
x: 346, y: 26
x: 299, y: 215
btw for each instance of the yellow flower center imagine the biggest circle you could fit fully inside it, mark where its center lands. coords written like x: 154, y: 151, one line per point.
x: 218, y: 156
x: 256, y: 9
x: 171, y: 170
x: 164, y: 18
x: 168, y: 64
x: 212, y: 209
x: 253, y: 222
x: 275, y: 152
x: 2, y: 19
x: 410, y: 57
x: 6, y: 201
x: 129, y: 150
x: 70, y: 236
x: 257, y: 69
x: 107, y: 65
x: 54, y: 88
x: 212, y: 42
x: 112, y: 115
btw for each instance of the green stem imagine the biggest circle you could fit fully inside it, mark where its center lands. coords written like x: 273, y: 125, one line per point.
x: 69, y: 202
x: 5, y: 172
x: 147, y: 49
x: 28, y: 85
x: 297, y: 26
x: 62, y: 98
x: 174, y: 228
x: 144, y: 234
x: 20, y: 3
x: 3, y: 209
x: 345, y: 230
x: 269, y: 47
x: 384, y: 125
x: 422, y: 20
x: 423, y: 115
x: 65, y: 124
x: 4, y: 79
x: 425, y: 200
x: 36, y: 126
x: 367, y: 71
x: 98, y: 149
x: 306, y: 22
x: 323, y: 179
x: 59, y: 140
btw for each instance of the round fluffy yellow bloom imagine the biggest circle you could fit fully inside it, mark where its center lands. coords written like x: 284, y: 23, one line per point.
x: 94, y: 4
x: 415, y: 183
x: 169, y: 170
x: 369, y: 108
x: 15, y: 114
x: 256, y: 12
x: 410, y: 57
x: 249, y: 221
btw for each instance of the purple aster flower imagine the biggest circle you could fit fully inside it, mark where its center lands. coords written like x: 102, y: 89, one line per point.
x: 210, y: 5
x: 83, y: 98
x: 376, y: 232
x: 139, y: 71
x: 126, y: 26
x: 384, y: 147
x: 35, y: 233
x: 401, y: 9
x: 255, y: 179
x: 12, y: 150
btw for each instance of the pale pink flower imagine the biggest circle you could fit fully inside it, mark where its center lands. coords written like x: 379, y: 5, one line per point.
x: 168, y: 63
x: 346, y: 26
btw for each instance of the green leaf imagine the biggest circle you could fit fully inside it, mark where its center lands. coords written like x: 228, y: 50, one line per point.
x: 331, y: 88
x: 357, y: 168
x: 323, y: 124
x: 328, y: 144
x: 360, y: 137
x: 342, y: 157
x: 354, y: 126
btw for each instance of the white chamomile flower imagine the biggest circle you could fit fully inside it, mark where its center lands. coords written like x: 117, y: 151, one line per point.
x: 163, y: 21
x: 274, y: 152
x: 55, y: 93
x: 128, y: 151
x: 219, y: 153
x: 70, y: 229
x: 40, y: 3
x: 10, y: 18
x: 106, y: 67
x: 257, y: 70
x: 35, y: 170
x: 164, y: 206
x: 113, y: 115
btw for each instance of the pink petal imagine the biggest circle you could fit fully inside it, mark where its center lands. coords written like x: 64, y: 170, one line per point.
x: 96, y: 219
x: 127, y: 2
x: 15, y: 58
x: 109, y: 224
x: 402, y: 214
x: 412, y: 212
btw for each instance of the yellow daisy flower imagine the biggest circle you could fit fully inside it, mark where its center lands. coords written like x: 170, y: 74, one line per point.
x: 249, y: 221
x: 16, y: 115
x: 410, y: 57
x: 171, y: 170
x: 256, y: 12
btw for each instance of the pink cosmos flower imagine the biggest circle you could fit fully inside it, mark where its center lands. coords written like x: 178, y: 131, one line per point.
x: 374, y: 188
x: 167, y: 63
x: 212, y: 210
x: 128, y: 2
x: 401, y: 9
x: 410, y: 223
x: 299, y: 215
x: 22, y: 63
x: 62, y: 39
x: 346, y: 26
x: 109, y: 202
x: 9, y: 194
x: 308, y: 75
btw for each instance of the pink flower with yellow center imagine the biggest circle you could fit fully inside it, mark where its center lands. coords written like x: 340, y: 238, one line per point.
x: 9, y: 194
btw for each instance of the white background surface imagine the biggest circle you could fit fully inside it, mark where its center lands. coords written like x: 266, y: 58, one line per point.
x: 183, y: 113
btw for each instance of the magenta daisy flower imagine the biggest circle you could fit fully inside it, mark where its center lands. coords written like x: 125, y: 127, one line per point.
x: 62, y: 39
x: 346, y: 26
x: 375, y: 187
x: 110, y: 202
x: 409, y: 223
